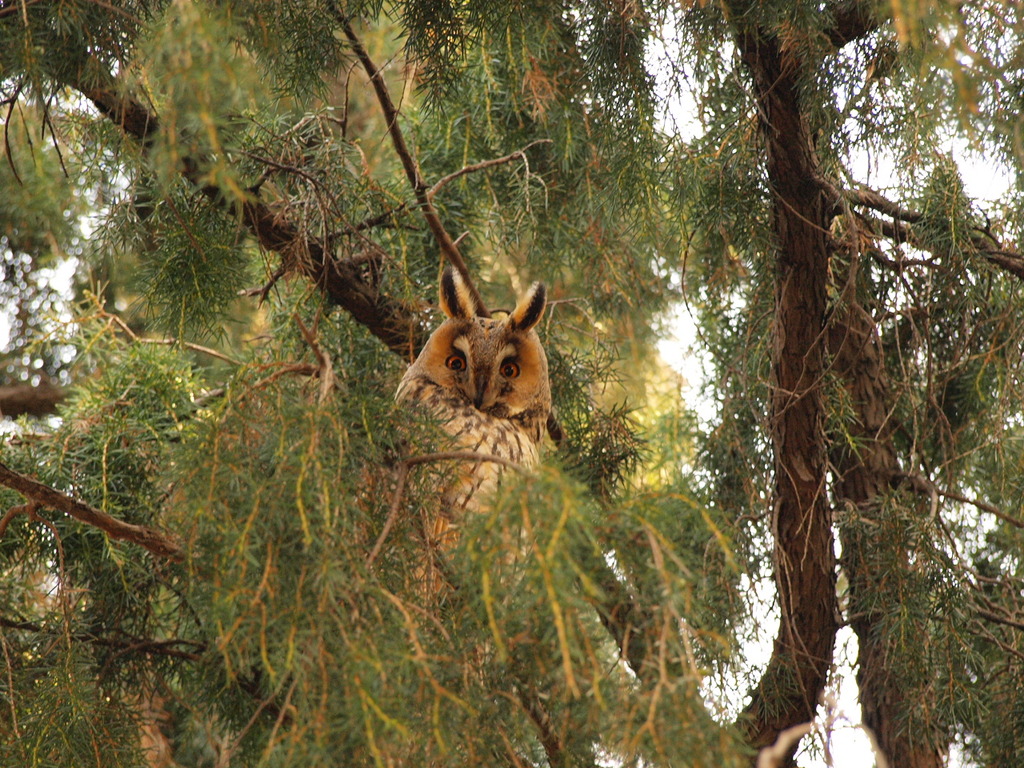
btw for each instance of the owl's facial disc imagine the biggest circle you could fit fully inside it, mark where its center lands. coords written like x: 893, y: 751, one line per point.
x: 493, y: 385
x: 482, y: 369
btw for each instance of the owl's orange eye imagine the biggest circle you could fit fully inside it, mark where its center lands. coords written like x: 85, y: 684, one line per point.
x: 456, y: 362
x: 509, y: 369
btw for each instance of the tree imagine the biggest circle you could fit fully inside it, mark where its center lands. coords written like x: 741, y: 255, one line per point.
x: 211, y: 530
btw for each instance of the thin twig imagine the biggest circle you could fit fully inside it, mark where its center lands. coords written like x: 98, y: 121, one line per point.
x: 205, y: 397
x: 7, y: 139
x: 473, y: 168
x: 282, y: 718
x: 978, y: 629
x: 925, y: 484
x: 305, y: 369
x: 325, y: 369
x: 169, y: 342
x: 19, y: 509
x: 189, y: 345
x: 10, y: 687
x: 264, y: 704
x: 396, y: 503
x: 53, y: 134
x: 45, y: 496
x: 376, y: 221
x: 284, y: 167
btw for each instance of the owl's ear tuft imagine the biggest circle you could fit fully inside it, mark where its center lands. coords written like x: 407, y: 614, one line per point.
x: 529, y: 310
x: 455, y: 296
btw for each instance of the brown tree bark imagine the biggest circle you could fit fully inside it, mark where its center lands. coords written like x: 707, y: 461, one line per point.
x: 863, y: 476
x: 804, y: 559
x: 41, y: 495
x: 34, y: 400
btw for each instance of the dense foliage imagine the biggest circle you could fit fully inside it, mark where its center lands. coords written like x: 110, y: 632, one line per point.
x: 222, y: 225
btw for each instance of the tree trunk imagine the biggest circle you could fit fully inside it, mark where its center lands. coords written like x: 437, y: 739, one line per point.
x: 863, y: 476
x: 804, y: 559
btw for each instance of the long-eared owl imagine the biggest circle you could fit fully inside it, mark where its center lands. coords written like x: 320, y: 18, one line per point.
x: 486, y: 379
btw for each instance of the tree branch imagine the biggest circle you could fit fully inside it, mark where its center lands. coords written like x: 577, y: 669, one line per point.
x: 921, y: 483
x: 1006, y: 260
x: 30, y: 399
x: 899, y: 228
x: 803, y: 557
x: 128, y: 114
x: 387, y: 319
x: 997, y: 619
x: 127, y: 645
x: 423, y: 193
x: 540, y: 718
x: 872, y: 199
x: 862, y: 476
x: 776, y: 755
x: 45, y: 496
x: 853, y: 20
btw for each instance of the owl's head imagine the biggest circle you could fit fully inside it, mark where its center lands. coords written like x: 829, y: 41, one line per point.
x: 495, y: 364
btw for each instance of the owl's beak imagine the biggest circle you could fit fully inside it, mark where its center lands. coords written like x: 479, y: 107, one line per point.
x: 485, y: 395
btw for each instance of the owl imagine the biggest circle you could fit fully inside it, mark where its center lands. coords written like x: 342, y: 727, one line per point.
x: 486, y: 379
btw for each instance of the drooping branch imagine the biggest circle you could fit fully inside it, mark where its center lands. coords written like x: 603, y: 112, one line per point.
x: 519, y: 154
x: 43, y: 495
